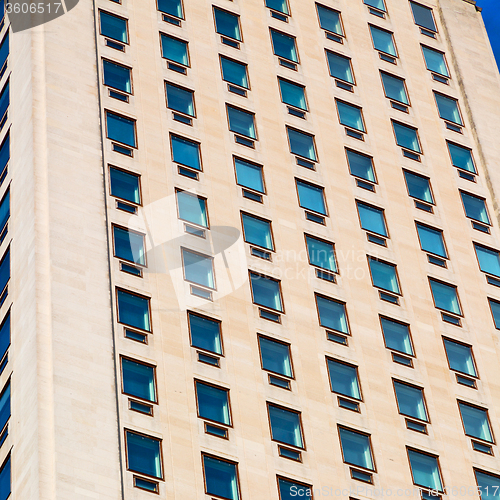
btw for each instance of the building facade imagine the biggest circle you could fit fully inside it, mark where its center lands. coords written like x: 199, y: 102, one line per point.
x: 249, y: 250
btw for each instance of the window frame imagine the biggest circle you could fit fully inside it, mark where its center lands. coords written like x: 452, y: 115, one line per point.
x: 436, y: 93
x: 496, y: 301
x: 113, y: 225
x: 359, y: 108
x: 418, y: 223
x: 278, y: 341
x: 312, y: 136
x: 238, y: 17
x: 297, y: 412
x: 251, y: 162
x: 475, y: 172
x: 411, y: 172
x: 287, y: 14
x: 486, y: 411
x: 455, y: 341
x: 214, y: 288
x: 215, y: 386
x: 353, y: 83
x: 185, y: 89
x: 437, y: 280
x: 486, y: 473
x: 468, y: 193
x: 224, y: 56
x: 448, y: 76
x: 120, y: 17
x: 238, y: 108
x: 168, y: 35
x: 172, y: 15
x: 475, y: 245
x: 189, y: 312
x: 316, y: 186
x: 432, y: 14
x: 429, y: 455
x: 103, y: 59
x: 127, y: 465
x: 338, y: 301
x: 412, y: 386
x: 346, y: 149
x: 421, y: 151
x: 298, y: 483
x: 342, y: 28
x: 134, y: 120
x: 350, y: 365
x: 269, y: 221
x: 155, y: 379
x: 362, y: 433
x: 258, y: 273
x: 135, y: 174
x: 205, y: 200
x: 322, y: 240
x: 130, y: 292
x: 396, y: 56
x: 412, y: 345
x: 215, y: 457
x: 303, y: 87
x: 395, y: 266
x: 397, y: 77
x: 294, y: 43
x: 382, y: 210
x: 173, y: 134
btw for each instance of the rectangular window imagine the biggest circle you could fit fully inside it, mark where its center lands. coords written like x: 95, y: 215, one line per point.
x: 284, y: 46
x: 384, y: 275
x: 4, y: 213
x: 192, y: 208
x: 321, y: 254
x: 285, y: 426
x: 213, y: 403
x: 406, y: 137
x: 350, y: 115
x: 186, y: 152
x: 144, y: 454
x: 377, y: 4
x: 4, y: 274
x: 125, y: 185
x: 397, y: 336
x: 476, y: 422
x: 117, y: 76
x: 425, y: 470
x: 171, y: 7
x: 445, y: 297
x: 4, y: 53
x: 410, y: 401
x: 133, y: 310
x: 423, y: 16
x: 241, y: 122
x: 205, y: 333
x: 383, y: 41
x: 395, y: 88
x: 289, y: 489
x: 489, y: 260
x: 174, y: 49
x: 257, y: 231
x: 221, y: 478
x: 5, y: 406
x: 460, y: 357
x: 461, y: 157
x: 475, y: 208
x: 266, y: 292
x: 372, y: 218
x: 129, y: 245
x: 340, y: 67
x: 113, y: 27
x: 311, y: 197
x: 293, y: 94
x: 249, y: 175
x: 275, y: 356
x: 180, y: 99
x: 448, y: 108
x: 431, y: 240
x: 344, y: 379
x: 4, y: 100
x: 495, y: 311
x: 4, y: 153
x: 487, y: 484
x: 4, y: 335
x: 301, y: 144
x: 234, y: 72
x: 227, y: 24
x: 5, y: 486
x: 435, y: 61
x: 356, y: 448
x: 329, y: 20
x: 361, y: 165
x: 332, y: 314
x: 138, y: 380
x: 278, y: 5
x: 121, y: 129
x: 419, y: 187
x: 198, y: 268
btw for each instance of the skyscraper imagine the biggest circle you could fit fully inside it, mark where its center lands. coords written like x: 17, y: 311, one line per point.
x: 249, y: 250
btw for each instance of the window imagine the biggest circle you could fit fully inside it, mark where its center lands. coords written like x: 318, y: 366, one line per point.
x: 266, y: 292
x: 171, y: 7
x: 476, y: 422
x: 435, y: 61
x: 419, y: 187
x: 461, y: 157
x: 133, y: 310
x: 289, y: 490
x: 356, y: 448
x: 489, y: 260
x: 121, y: 129
x: 4, y: 53
x: 278, y: 5
x: 284, y: 46
x: 285, y: 426
x: 397, y: 336
x: 344, y: 379
x: 410, y: 400
x: 372, y: 218
x: 384, y: 275
x: 350, y: 116
x: 192, y: 208
x: 221, y: 478
x: 4, y: 153
x: 117, y: 76
x: 5, y: 486
x: 329, y: 19
x: 383, y: 41
x: 227, y: 24
x: 234, y: 72
x: 423, y: 16
x: 448, y: 108
x: 460, y: 357
x: 488, y: 484
x: 113, y: 27
x: 249, y: 175
x: 4, y: 101
x: 5, y: 406
x: 395, y: 88
x: 293, y: 94
x: 361, y: 165
x: 174, y: 50
x: 257, y: 231
x: 406, y: 137
x: 4, y: 275
x: 198, y: 268
x: 311, y: 197
x: 425, y: 470
x: 129, y: 245
x: 213, y: 403
x: 495, y: 311
x: 431, y: 240
x: 125, y: 185
x: 332, y: 314
x: 205, y: 333
x: 275, y: 356
x: 241, y: 122
x: 4, y: 335
x: 340, y: 67
x: 321, y: 254
x: 185, y: 152
x: 445, y: 297
x: 301, y: 144
x: 4, y: 213
x: 144, y: 454
x: 138, y: 380
x: 475, y: 208
x: 377, y: 4
x: 180, y: 99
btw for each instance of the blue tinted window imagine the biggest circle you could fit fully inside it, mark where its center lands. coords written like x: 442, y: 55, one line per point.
x: 4, y: 50
x: 138, y: 380
x: 445, y: 297
x: 234, y: 72
x: 396, y: 336
x: 4, y: 100
x: 171, y: 7
x: 394, y: 88
x: 344, y: 379
x: 356, y: 448
x: 221, y: 478
x: 488, y: 485
x: 275, y: 357
x: 311, y: 197
x: 186, y: 152
x: 129, y: 245
x: 423, y: 16
x: 5, y: 488
x: 372, y: 218
x: 284, y: 46
x: 133, y: 310
x: 425, y: 470
x: 410, y: 401
x: 266, y: 292
x: 257, y: 231
x: 329, y: 19
x: 114, y: 27
x: 4, y: 335
x: 340, y: 67
x: 321, y: 254
x: 378, y: 4
x: 192, y: 208
x: 290, y: 490
x: 419, y: 187
x: 5, y: 406
x: 125, y: 185
x: 4, y: 271
x: 213, y: 403
x: 205, y: 333
x: 350, y: 116
x: 460, y: 357
x: 495, y: 310
x: 285, y: 426
x: 278, y: 5
x: 384, y: 275
x: 475, y: 207
x: 448, y: 109
x: 332, y: 314
x: 241, y: 122
x: 117, y: 76
x: 461, y: 157
x: 431, y: 240
x: 227, y: 24
x: 4, y: 210
x: 361, y: 165
x: 143, y: 455
x: 179, y: 99
x: 434, y: 61
x: 198, y: 268
x: 121, y: 129
x: 476, y: 423
x: 383, y: 41
x: 293, y: 94
x: 301, y: 144
x: 489, y: 260
x: 5, y: 152
x: 174, y: 49
x: 249, y: 175
x: 406, y: 137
